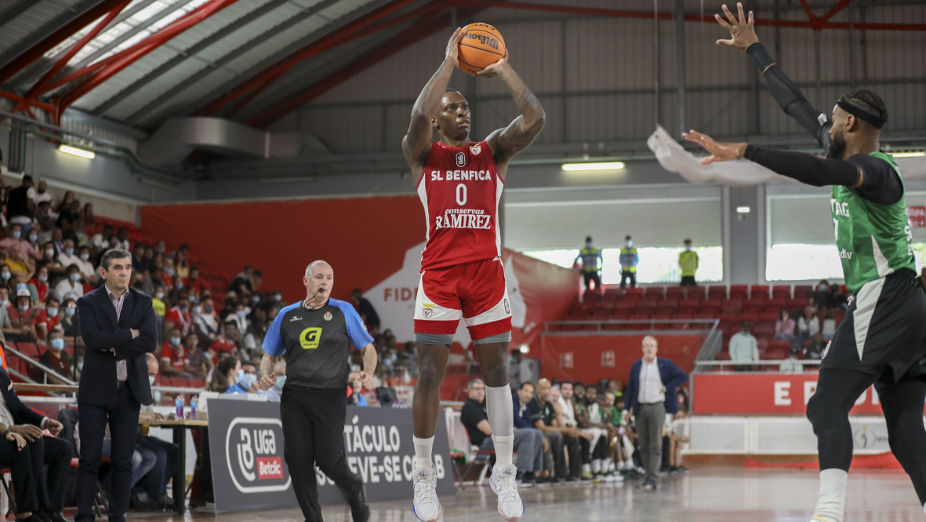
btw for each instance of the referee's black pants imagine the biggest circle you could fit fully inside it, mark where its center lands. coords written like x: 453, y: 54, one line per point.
x: 313, y: 432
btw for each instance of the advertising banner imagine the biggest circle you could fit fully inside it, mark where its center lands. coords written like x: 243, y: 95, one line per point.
x: 249, y: 471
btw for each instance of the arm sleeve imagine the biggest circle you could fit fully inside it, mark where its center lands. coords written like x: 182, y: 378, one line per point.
x: 806, y: 168
x: 273, y: 341
x: 358, y: 334
x: 880, y: 182
x: 93, y: 337
x: 147, y: 339
x: 789, y: 97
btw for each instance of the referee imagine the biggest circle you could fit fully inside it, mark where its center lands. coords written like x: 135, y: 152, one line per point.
x: 314, y: 337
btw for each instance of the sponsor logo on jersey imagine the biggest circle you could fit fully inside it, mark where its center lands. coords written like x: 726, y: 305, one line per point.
x: 328, y: 316
x: 461, y: 159
x: 463, y: 218
x: 309, y: 338
x: 294, y: 319
x: 475, y: 149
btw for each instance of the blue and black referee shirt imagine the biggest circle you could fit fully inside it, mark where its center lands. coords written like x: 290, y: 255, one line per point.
x: 316, y: 343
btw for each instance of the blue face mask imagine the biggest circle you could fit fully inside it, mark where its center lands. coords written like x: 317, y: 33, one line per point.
x: 16, y: 234
x: 241, y: 314
x: 75, y: 276
x: 69, y: 251
x: 70, y: 311
x: 51, y: 311
x: 5, y: 276
x: 175, y: 341
x: 245, y: 380
x: 21, y: 286
x: 23, y: 308
x: 57, y: 344
x: 281, y: 380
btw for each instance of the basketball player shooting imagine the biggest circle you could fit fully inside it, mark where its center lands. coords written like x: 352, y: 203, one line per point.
x: 881, y: 339
x: 460, y: 182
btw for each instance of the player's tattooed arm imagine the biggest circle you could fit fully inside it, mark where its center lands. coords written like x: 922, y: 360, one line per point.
x: 520, y: 133
x: 417, y: 141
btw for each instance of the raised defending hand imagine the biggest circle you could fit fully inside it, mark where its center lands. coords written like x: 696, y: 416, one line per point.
x: 267, y: 381
x: 742, y: 30
x: 719, y: 151
x: 453, y: 47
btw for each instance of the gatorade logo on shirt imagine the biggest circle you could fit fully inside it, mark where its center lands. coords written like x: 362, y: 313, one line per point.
x: 309, y: 338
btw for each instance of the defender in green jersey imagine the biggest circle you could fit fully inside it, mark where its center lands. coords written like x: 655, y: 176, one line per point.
x: 881, y: 340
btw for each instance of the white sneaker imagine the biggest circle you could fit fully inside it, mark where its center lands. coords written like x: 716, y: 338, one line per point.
x: 503, y: 483
x: 425, y: 505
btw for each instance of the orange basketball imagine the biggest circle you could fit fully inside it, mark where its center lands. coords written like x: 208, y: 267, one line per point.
x: 481, y: 46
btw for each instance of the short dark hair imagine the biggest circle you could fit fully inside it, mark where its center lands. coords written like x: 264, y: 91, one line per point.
x: 27, y: 179
x: 527, y: 383
x: 867, y: 100
x: 113, y: 253
x: 686, y: 240
x: 588, y: 239
x: 565, y: 382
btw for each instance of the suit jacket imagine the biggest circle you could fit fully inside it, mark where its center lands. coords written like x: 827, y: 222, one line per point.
x: 672, y: 377
x: 21, y: 413
x: 100, y: 332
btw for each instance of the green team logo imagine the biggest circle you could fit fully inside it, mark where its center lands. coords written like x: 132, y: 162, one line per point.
x: 309, y: 338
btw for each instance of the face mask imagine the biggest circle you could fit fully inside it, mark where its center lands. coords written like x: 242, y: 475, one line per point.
x: 255, y: 299
x: 588, y: 244
x: 23, y: 308
x: 75, y: 277
x: 169, y: 271
x: 629, y: 244
x: 42, y: 279
x: 16, y: 234
x: 208, y: 309
x: 69, y: 251
x: 20, y: 286
x: 278, y: 297
x: 178, y: 285
x: 51, y: 311
x: 241, y: 314
x: 33, y: 238
x: 159, y: 295
x: 57, y: 344
x: 824, y: 288
x: 151, y: 380
x: 281, y: 380
x: 246, y: 379
x: 5, y: 276
x: 49, y: 252
x: 197, y: 309
x: 70, y: 311
x: 85, y: 256
x: 175, y: 341
x: 5, y: 303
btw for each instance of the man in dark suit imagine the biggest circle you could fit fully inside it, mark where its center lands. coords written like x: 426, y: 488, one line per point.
x: 117, y: 324
x: 39, y: 496
x: 651, y: 393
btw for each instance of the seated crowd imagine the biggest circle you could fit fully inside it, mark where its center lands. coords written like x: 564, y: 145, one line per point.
x: 567, y: 431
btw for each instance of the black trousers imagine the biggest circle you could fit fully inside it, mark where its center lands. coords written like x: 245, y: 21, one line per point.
x: 122, y: 416
x: 35, y: 489
x: 592, y: 276
x: 154, y: 483
x: 688, y: 281
x: 628, y: 276
x: 313, y: 433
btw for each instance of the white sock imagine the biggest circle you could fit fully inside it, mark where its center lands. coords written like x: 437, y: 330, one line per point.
x: 831, y: 502
x: 500, y: 410
x: 423, y: 452
x: 924, y: 509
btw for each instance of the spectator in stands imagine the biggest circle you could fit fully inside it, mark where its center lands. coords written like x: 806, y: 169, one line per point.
x: 791, y: 364
x: 6, y: 328
x: 242, y: 283
x: 248, y: 380
x: 68, y: 255
x: 354, y: 388
x: 173, y: 358
x: 784, y: 327
x: 206, y: 322
x: 275, y: 392
x: 744, y: 348
x: 38, y: 286
x: 808, y: 325
x: 560, y: 438
x: 87, y: 216
x: 822, y: 296
x: 688, y: 264
x: 20, y: 255
x: 42, y: 195
x: 33, y: 239
x: 48, y: 259
x: 200, y: 363
x: 55, y: 357
x: 528, y: 445
x: 69, y: 319
x: 829, y: 325
x: 815, y: 349
x: 651, y: 395
x: 228, y: 341
x: 100, y: 240
x: 160, y: 306
x: 20, y: 204
x: 179, y: 316
x: 225, y: 376
x: 70, y: 287
x: 194, y: 283
x: 838, y: 300
x: 629, y: 259
x: 591, y: 262
x: 254, y: 336
x: 57, y: 238
x: 122, y: 240
x: 47, y: 318
x: 84, y: 264
x: 39, y: 493
x: 22, y: 318
x: 240, y: 315
x: 366, y: 310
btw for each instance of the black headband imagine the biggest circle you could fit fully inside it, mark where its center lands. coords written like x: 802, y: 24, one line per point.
x: 875, y: 121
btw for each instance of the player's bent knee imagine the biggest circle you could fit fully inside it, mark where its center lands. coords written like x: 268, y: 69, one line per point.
x: 429, y: 338
x: 504, y: 337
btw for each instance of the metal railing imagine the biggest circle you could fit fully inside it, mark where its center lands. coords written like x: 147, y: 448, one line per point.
x: 709, y: 325
x: 45, y: 369
x: 758, y: 366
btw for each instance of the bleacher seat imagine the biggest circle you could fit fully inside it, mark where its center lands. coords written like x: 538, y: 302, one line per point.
x: 769, y: 317
x: 752, y: 317
x: 718, y: 293
x: 751, y: 306
x: 760, y: 292
x: 781, y: 292
x: 732, y: 306
x: 740, y: 292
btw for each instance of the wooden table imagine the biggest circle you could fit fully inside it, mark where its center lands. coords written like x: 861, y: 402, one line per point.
x: 179, y: 426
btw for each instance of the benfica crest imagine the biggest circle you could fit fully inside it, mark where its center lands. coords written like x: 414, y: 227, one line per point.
x: 476, y: 149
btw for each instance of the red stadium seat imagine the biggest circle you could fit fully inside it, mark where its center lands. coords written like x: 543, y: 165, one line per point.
x: 687, y: 311
x: 717, y: 292
x: 759, y: 292
x: 732, y: 306
x: 746, y: 316
x: 739, y: 291
x: 769, y: 317
x: 781, y: 292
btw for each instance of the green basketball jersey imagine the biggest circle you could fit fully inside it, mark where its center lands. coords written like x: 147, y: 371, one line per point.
x: 874, y: 240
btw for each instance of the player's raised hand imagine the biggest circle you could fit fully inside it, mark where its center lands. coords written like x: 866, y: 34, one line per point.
x: 493, y: 70
x: 719, y: 151
x: 453, y: 47
x: 741, y: 27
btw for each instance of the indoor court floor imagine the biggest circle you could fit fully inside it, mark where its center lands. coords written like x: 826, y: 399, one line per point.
x: 702, y: 495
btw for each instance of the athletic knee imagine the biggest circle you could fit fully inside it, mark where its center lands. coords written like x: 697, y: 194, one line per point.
x: 496, y: 375
x: 906, y: 433
x: 429, y: 381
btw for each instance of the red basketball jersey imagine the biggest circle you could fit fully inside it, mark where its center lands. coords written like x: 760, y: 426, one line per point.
x: 460, y: 189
